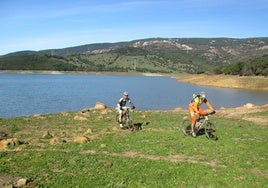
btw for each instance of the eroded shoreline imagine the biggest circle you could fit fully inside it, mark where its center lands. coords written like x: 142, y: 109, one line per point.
x: 227, y: 81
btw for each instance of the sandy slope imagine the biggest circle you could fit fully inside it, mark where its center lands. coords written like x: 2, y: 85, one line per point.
x: 228, y: 81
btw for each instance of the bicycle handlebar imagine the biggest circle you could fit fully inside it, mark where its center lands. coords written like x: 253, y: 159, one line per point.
x: 213, y: 112
x: 207, y: 114
x: 127, y: 107
x: 210, y: 113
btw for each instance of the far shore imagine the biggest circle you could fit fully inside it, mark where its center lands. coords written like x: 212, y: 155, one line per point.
x: 77, y: 72
x: 226, y: 81
x: 223, y: 81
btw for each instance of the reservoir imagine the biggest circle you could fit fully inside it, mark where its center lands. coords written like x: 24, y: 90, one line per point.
x: 29, y: 94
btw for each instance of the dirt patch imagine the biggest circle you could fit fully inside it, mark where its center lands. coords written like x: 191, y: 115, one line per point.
x: 172, y: 158
x: 227, y: 81
x: 246, y: 112
x: 259, y: 172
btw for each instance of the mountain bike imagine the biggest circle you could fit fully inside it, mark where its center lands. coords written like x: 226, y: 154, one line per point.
x: 127, y: 121
x: 202, y: 126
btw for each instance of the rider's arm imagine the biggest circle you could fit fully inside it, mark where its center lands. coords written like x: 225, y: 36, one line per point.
x: 209, y: 105
x: 131, y: 103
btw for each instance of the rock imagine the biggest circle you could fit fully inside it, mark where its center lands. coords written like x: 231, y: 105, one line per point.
x: 11, y: 141
x: 47, y: 134
x: 85, y: 110
x: 54, y: 141
x: 144, y: 116
x: 115, y: 128
x: 249, y: 105
x: 3, y: 145
x: 64, y: 114
x: 100, y: 106
x: 21, y: 182
x: 89, y: 131
x: 103, y: 145
x: 38, y: 116
x: 80, y: 118
x: 81, y: 139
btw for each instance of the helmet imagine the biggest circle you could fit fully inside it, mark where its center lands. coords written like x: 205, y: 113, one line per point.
x: 194, y: 95
x: 203, y: 94
x: 125, y: 93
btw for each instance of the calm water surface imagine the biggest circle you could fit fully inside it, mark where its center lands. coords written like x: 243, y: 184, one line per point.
x: 28, y: 94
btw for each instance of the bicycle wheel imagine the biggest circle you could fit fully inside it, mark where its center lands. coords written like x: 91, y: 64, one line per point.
x: 210, y: 131
x: 117, y: 119
x: 129, y: 123
x: 186, y: 127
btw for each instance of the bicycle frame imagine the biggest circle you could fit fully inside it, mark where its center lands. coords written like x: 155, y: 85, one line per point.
x: 126, y: 113
x: 203, y: 120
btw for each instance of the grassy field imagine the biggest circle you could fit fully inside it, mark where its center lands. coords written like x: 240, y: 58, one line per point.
x: 48, y: 153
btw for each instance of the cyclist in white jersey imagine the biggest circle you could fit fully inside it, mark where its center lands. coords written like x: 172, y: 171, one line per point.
x: 121, y: 105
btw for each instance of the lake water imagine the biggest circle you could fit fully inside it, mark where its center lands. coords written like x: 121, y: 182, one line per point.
x: 28, y: 94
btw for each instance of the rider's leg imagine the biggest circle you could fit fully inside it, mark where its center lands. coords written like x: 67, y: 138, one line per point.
x: 120, y: 117
x: 201, y: 112
x: 193, y: 120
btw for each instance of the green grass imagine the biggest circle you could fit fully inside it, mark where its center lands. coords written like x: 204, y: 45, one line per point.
x: 157, y: 156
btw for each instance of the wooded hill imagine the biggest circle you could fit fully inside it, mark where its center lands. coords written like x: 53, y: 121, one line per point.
x: 257, y: 66
x: 157, y: 55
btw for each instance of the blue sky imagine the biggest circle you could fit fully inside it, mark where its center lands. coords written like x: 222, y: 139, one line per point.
x: 52, y: 24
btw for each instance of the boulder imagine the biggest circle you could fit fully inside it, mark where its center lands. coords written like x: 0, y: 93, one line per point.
x: 21, y: 182
x: 249, y: 105
x: 3, y: 145
x: 13, y: 141
x: 9, y: 142
x: 100, y: 106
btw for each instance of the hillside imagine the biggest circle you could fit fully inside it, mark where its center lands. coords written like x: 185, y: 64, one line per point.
x: 161, y: 55
x: 256, y: 66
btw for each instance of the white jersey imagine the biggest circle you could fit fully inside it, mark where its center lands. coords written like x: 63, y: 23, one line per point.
x: 122, y: 102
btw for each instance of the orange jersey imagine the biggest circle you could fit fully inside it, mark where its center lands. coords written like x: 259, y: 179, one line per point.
x: 196, y: 102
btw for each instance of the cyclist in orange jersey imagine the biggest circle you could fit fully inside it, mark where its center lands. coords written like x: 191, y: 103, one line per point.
x: 194, y: 108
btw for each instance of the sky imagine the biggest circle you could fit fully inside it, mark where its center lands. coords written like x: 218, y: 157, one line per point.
x: 53, y: 24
